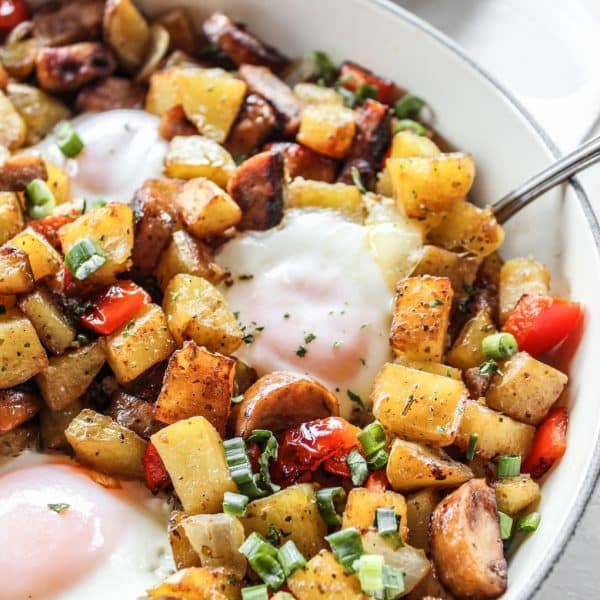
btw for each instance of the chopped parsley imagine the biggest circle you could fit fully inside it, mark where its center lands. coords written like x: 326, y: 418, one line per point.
x: 364, y: 92
x: 363, y: 362
x: 489, y: 367
x: 356, y: 399
x: 82, y: 339
x: 301, y: 351
x: 326, y: 69
x: 357, y: 180
x: 248, y: 339
x: 58, y: 507
x: 245, y: 277
x: 465, y: 305
x: 286, y: 316
x: 436, y: 302
x: 309, y: 337
x: 128, y: 327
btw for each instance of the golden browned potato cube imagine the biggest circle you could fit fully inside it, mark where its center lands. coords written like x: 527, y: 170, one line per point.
x: 186, y: 255
x: 362, y: 506
x: 514, y: 494
x: 198, y: 583
x: 68, y: 376
x: 11, y: 218
x: 53, y: 328
x: 196, y: 382
x: 163, y: 93
x: 196, y: 309
x: 193, y: 156
x: 418, y: 406
x: 13, y: 130
x: 21, y: 353
x: 527, y: 388
x: 421, y: 316
x: 111, y: 227
x: 294, y: 512
x: 103, y: 444
x: 211, y: 99
x: 324, y: 577
x: 328, y: 129
x: 205, y: 208
x: 466, y: 351
x: 413, y: 466
x: 194, y: 457
x: 58, y: 182
x: 139, y: 344
x: 520, y: 276
x: 183, y: 553
x: 16, y: 276
x: 310, y: 93
x: 431, y: 367
x: 43, y: 258
x: 53, y: 424
x: 497, y: 433
x: 419, y: 507
x: 307, y: 193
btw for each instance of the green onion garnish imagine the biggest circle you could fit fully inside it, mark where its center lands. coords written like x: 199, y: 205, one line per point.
x: 347, y: 547
x: 92, y: 204
x: 473, y: 439
x: 372, y: 438
x: 235, y: 504
x: 529, y: 523
x: 489, y: 368
x: 509, y: 465
x: 393, y: 581
x: 388, y: 522
x: 357, y: 464
x: 411, y: 125
x: 330, y: 503
x: 290, y: 558
x: 326, y: 68
x: 255, y: 592
x: 365, y: 91
x: 240, y: 468
x: 506, y: 524
x: 370, y: 573
x: 499, y: 346
x: 40, y: 199
x: 67, y: 140
x: 357, y: 180
x: 409, y: 106
x: 378, y: 460
x: 262, y: 557
x: 269, y: 447
x: 84, y: 259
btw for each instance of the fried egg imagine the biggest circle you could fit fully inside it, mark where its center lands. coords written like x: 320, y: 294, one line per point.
x: 66, y: 537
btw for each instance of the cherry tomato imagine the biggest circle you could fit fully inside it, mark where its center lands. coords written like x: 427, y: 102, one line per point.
x: 377, y: 481
x: 155, y: 473
x: 540, y: 322
x: 549, y: 443
x: 49, y: 226
x: 12, y: 12
x: 353, y: 76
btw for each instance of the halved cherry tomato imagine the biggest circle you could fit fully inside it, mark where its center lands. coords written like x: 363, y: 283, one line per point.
x: 377, y: 481
x: 353, y: 76
x: 549, y: 443
x: 541, y: 322
x: 115, y: 307
x: 305, y: 448
x: 155, y: 473
x: 12, y: 12
x: 49, y: 226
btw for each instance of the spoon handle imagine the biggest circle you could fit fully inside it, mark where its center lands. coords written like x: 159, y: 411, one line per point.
x: 581, y: 158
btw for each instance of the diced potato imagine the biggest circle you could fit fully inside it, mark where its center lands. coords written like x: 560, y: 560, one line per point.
x: 466, y: 351
x: 407, y: 144
x: 417, y: 405
x: 520, y: 276
x: 421, y: 316
x: 198, y: 583
x: 194, y: 457
x: 16, y: 276
x: 68, y: 376
x: 328, y: 129
x: 527, y: 388
x: 419, y: 506
x: 413, y: 466
x: 21, y: 353
x: 183, y: 553
x: 307, y: 193
x: 196, y: 382
x: 186, y: 255
x: 362, y: 506
x: 497, y: 433
x: 310, y: 93
x: 196, y: 309
x: 53, y: 328
x: 514, y: 494
x: 111, y: 227
x: 11, y: 218
x: 53, y: 424
x: 491, y: 267
x: 163, y: 93
x: 293, y: 511
x: 43, y: 258
x: 58, y: 182
x: 103, y: 444
x: 193, y: 156
x: 139, y: 344
x: 324, y: 577
x: 211, y: 99
x: 205, y: 208
x: 465, y: 227
x: 13, y: 130
x: 427, y: 186
x: 431, y: 367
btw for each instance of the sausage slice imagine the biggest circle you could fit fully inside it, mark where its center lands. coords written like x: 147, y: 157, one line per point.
x: 109, y: 93
x: 64, y: 22
x: 301, y: 161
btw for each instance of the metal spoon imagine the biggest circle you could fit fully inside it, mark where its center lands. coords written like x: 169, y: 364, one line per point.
x: 581, y: 158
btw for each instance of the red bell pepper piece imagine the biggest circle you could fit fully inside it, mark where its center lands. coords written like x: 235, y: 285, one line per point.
x: 377, y: 481
x: 353, y: 76
x: 549, y: 443
x: 12, y: 12
x: 155, y: 473
x: 48, y: 227
x: 541, y: 322
x: 115, y: 307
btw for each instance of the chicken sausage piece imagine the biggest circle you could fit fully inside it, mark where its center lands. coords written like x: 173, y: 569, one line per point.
x: 110, y: 93
x: 64, y: 22
x: 301, y: 161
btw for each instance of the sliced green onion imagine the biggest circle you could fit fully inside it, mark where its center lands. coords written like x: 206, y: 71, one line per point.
x: 290, y: 558
x: 84, y: 259
x: 378, y: 460
x: 347, y: 547
x: 235, y: 504
x: 370, y: 573
x: 364, y: 92
x: 263, y: 559
x: 357, y: 180
x: 388, y: 523
x: 269, y: 450
x: 409, y: 106
x: 40, y: 199
x: 92, y: 204
x: 256, y: 592
x: 509, y: 465
x: 67, y: 140
x: 473, y: 439
x: 359, y: 471
x: 404, y: 124
x: 372, y: 438
x: 283, y: 596
x: 240, y: 468
x: 506, y: 524
x: 393, y: 582
x: 529, y: 523
x: 330, y: 503
x: 499, y: 346
x: 489, y: 368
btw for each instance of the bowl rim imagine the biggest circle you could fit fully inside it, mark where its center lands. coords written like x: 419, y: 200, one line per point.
x: 584, y: 494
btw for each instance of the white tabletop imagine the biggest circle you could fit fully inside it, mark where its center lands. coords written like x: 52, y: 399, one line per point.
x: 546, y: 52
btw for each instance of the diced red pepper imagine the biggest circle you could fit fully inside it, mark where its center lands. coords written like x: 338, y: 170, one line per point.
x: 12, y: 12
x: 549, y: 443
x: 115, y: 307
x: 49, y: 226
x: 377, y: 481
x: 541, y: 322
x: 353, y: 76
x: 155, y: 473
